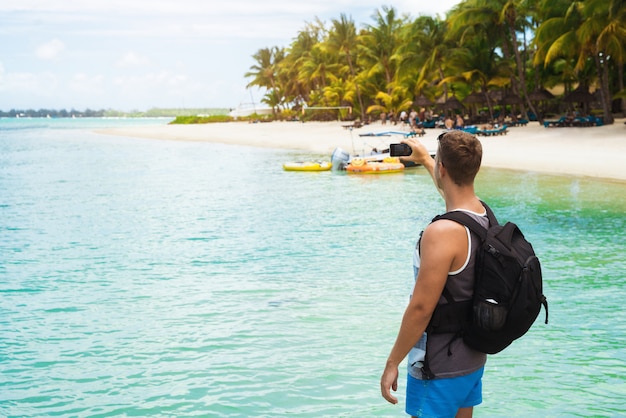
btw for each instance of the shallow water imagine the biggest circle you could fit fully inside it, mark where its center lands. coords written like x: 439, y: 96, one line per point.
x: 161, y: 278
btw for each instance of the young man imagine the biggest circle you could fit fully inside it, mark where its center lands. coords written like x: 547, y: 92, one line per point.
x: 444, y: 374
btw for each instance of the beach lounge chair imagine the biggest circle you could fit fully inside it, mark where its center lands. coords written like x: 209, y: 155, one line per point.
x: 356, y: 125
x: 472, y: 129
x: 562, y: 121
x: 493, y: 132
x: 429, y: 123
x: 390, y: 133
x: 594, y: 121
x: 581, y: 121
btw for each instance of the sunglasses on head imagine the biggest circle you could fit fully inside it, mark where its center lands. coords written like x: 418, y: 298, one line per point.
x: 439, y: 147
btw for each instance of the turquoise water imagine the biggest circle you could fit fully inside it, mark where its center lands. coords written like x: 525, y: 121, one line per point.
x: 160, y: 278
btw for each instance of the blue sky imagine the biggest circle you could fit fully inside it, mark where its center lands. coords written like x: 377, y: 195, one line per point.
x: 139, y: 54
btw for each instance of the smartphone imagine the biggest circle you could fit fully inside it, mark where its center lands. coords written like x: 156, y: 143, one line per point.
x: 399, y: 150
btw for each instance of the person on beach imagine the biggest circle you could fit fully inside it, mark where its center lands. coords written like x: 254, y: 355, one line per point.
x: 459, y: 122
x: 444, y: 376
x: 413, y: 119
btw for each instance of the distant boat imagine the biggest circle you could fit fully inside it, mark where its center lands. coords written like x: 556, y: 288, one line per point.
x: 341, y: 159
x: 247, y: 109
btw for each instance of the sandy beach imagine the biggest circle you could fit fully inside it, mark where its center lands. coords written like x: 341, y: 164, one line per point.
x: 590, y: 152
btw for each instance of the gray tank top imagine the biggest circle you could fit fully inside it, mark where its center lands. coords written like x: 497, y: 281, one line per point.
x: 449, y: 356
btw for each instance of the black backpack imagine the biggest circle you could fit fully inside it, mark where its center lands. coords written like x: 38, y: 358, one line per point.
x: 508, y: 293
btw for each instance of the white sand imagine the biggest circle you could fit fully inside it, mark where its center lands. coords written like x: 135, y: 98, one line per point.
x: 595, y: 151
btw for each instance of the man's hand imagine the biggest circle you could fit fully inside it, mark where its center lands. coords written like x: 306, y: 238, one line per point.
x: 420, y: 154
x: 389, y: 380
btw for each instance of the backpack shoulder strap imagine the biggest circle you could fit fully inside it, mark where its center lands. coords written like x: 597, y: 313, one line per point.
x: 468, y: 221
x: 465, y: 220
x: 492, y: 217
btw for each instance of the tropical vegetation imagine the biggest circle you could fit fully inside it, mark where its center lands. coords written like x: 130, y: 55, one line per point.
x: 489, y: 54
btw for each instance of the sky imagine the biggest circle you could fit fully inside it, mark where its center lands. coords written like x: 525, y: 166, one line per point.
x: 141, y: 54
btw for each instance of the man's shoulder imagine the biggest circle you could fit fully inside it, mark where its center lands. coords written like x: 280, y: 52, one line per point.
x: 443, y: 228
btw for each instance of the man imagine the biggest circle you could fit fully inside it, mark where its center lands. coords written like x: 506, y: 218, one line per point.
x: 444, y: 374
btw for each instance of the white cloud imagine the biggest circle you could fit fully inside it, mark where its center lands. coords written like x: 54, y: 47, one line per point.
x: 152, y: 84
x: 28, y: 85
x: 132, y: 59
x: 50, y: 50
x: 85, y: 84
x: 143, y: 53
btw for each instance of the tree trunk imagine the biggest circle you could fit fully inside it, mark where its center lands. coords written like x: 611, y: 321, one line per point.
x: 620, y: 73
x: 603, y: 76
x: 522, y: 78
x: 483, y: 88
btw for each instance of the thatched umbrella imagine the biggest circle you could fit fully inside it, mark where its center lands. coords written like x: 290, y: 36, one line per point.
x: 540, y: 94
x: 422, y: 101
x: 453, y: 103
x: 473, y: 100
x: 476, y: 97
x: 511, y: 99
x: 580, y: 95
x: 495, y: 95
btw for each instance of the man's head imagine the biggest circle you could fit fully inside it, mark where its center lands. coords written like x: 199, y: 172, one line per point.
x: 460, y: 153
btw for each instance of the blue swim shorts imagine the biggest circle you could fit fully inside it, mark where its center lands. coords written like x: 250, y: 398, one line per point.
x: 438, y: 398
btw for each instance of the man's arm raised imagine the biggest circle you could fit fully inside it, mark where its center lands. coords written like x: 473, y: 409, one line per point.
x: 420, y: 155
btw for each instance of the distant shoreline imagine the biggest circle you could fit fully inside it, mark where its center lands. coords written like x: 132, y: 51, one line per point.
x: 110, y: 113
x: 596, y: 152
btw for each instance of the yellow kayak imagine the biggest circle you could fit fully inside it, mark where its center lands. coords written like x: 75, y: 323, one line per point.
x: 307, y: 166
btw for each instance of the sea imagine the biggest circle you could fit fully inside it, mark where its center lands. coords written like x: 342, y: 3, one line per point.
x: 143, y: 277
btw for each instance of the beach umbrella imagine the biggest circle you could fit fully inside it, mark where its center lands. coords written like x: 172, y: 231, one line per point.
x: 511, y: 99
x: 452, y: 103
x: 580, y: 95
x: 495, y: 95
x: 540, y: 94
x: 476, y: 97
x: 422, y: 101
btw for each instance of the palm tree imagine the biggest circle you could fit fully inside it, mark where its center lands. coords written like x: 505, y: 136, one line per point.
x: 395, y: 102
x: 340, y: 93
x: 424, y: 50
x: 587, y: 33
x: 265, y: 72
x: 379, y: 45
x: 343, y: 41
x: 602, y: 36
x: 479, y: 66
x: 514, y: 17
x: 499, y: 21
x: 298, y: 87
x: 318, y: 66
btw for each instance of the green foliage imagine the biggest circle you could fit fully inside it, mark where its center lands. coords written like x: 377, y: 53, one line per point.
x: 188, y: 120
x: 481, y: 45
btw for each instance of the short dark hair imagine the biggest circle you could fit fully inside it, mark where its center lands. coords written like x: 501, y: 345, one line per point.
x: 461, y: 154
